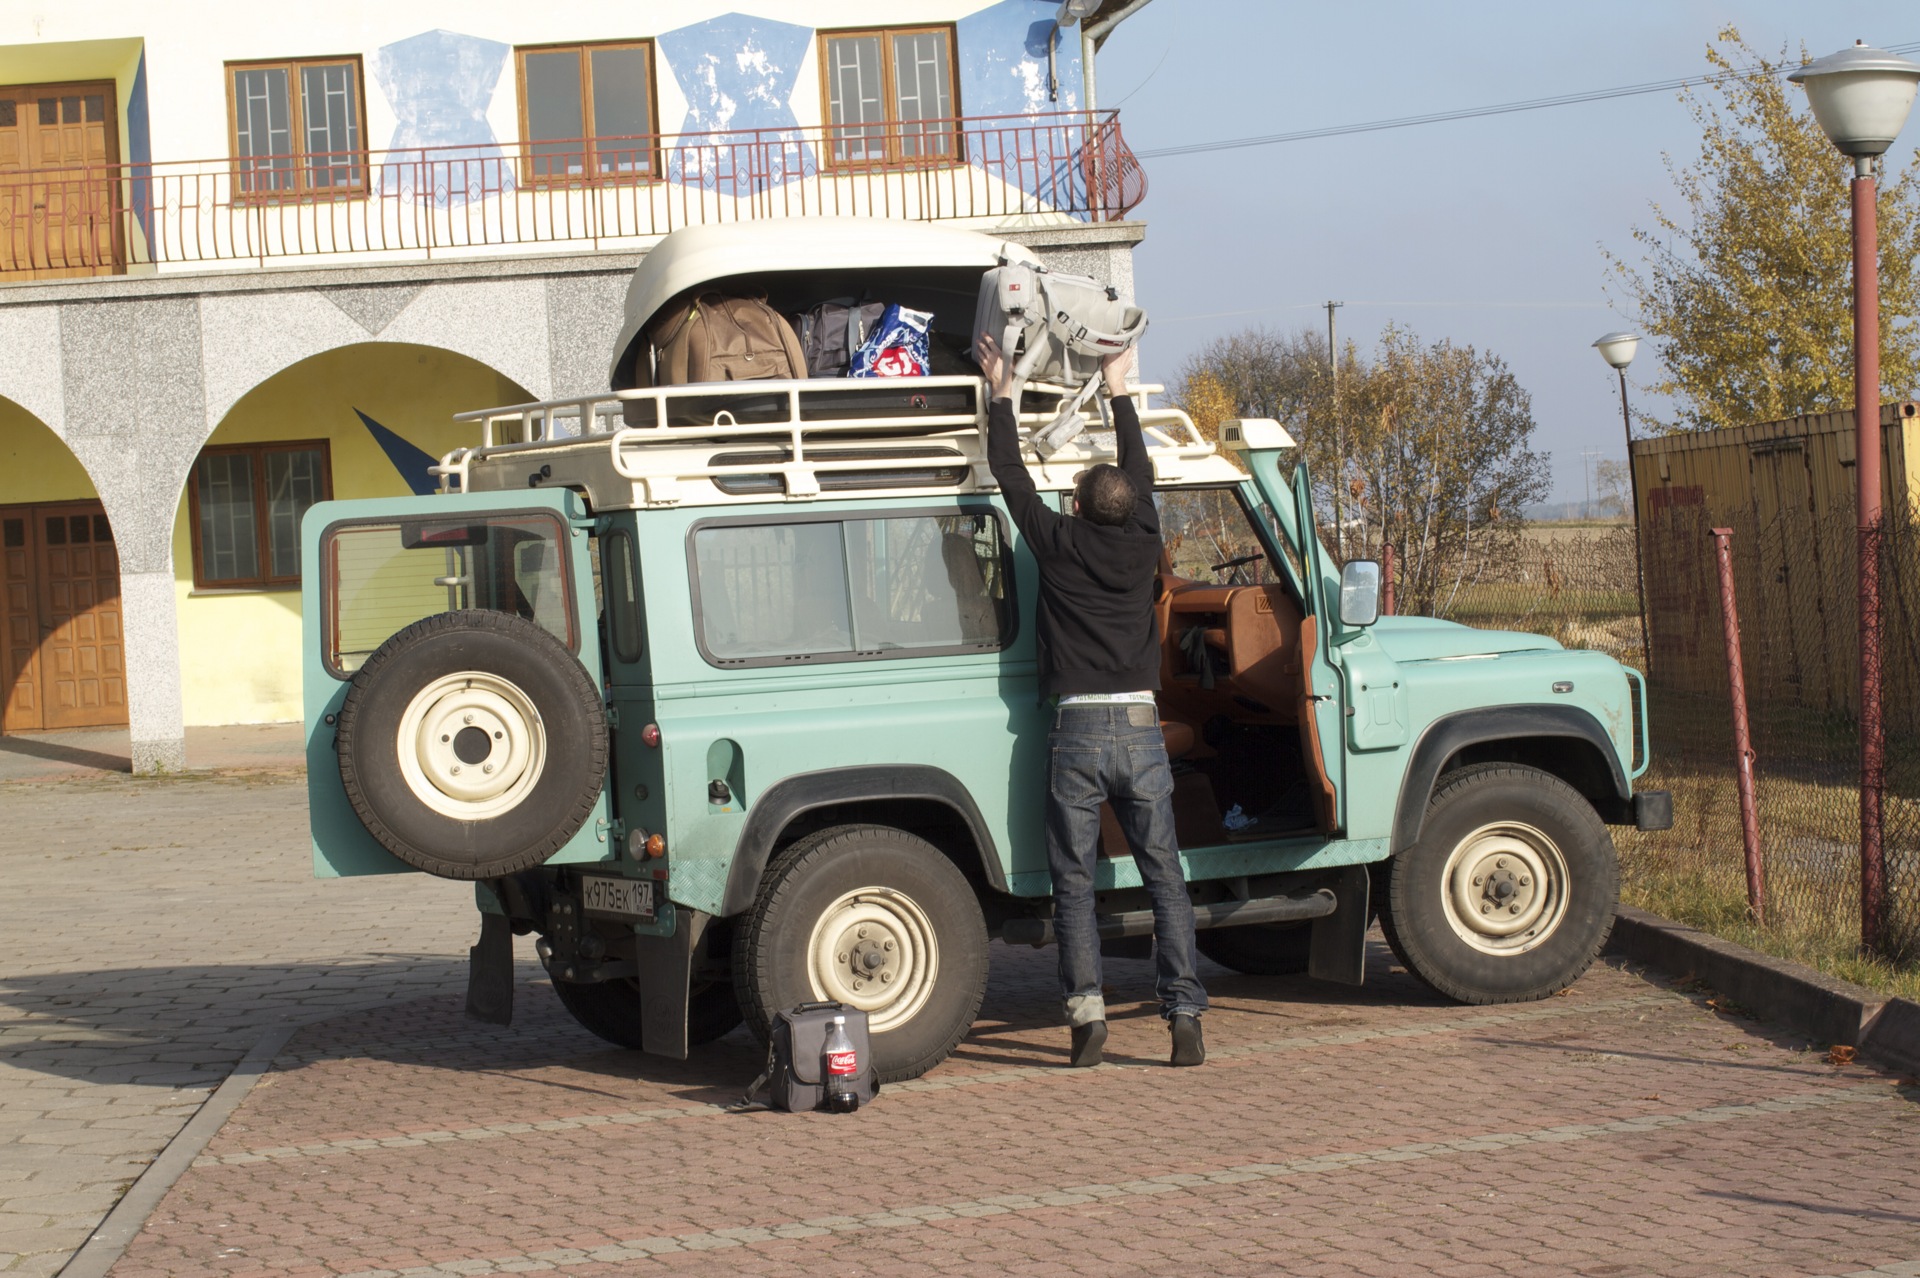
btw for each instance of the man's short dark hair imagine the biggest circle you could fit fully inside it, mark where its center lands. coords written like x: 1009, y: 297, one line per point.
x: 1105, y: 495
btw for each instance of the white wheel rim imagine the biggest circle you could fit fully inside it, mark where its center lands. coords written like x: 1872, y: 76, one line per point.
x: 875, y: 949
x: 471, y: 745
x: 1504, y: 888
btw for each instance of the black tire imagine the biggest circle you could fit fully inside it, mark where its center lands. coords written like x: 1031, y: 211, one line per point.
x: 912, y: 895
x: 611, y: 1009
x: 1503, y: 847
x: 542, y: 700
x: 1259, y: 949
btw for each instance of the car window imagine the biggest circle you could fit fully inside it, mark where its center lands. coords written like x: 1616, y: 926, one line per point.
x: 384, y: 575
x: 1206, y: 530
x: 853, y: 589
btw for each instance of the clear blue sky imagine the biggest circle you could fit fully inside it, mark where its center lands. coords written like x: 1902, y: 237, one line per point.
x: 1485, y: 231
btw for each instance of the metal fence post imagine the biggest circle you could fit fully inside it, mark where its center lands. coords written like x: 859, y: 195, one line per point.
x: 1742, y: 741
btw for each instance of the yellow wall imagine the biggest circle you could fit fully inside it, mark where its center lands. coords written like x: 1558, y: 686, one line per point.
x: 35, y: 464
x: 240, y: 650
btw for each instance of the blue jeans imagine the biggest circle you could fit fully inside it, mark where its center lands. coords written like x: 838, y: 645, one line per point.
x: 1115, y: 753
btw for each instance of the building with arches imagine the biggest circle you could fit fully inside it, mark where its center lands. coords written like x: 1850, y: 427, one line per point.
x: 246, y: 265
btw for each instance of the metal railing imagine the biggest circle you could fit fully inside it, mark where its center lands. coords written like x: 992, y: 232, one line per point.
x: 558, y: 194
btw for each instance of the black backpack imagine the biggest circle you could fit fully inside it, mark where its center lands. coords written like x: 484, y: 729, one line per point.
x: 795, y: 1075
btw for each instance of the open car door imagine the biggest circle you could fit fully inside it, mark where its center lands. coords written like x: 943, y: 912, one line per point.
x: 1319, y: 685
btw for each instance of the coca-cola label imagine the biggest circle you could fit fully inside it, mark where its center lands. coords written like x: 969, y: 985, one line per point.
x: 843, y: 1063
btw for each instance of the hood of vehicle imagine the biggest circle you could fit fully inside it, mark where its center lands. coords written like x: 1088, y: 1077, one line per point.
x: 1430, y: 639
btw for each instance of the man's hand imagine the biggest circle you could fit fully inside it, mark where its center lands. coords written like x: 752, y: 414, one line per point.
x: 995, y: 366
x: 1114, y: 369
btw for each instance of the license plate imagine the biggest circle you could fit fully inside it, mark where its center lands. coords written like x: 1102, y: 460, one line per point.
x: 617, y: 898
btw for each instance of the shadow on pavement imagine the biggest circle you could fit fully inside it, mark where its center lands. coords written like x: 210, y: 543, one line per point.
x: 54, y: 752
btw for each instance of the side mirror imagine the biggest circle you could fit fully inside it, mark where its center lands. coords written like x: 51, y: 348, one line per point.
x: 1360, y: 593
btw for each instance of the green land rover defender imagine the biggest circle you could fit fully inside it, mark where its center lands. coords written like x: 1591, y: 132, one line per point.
x: 727, y: 692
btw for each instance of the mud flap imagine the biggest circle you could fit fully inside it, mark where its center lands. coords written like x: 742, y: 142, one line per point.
x: 665, y: 973
x: 490, y: 972
x: 1338, y: 951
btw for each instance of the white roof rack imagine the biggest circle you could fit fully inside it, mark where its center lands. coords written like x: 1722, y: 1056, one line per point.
x: 736, y: 442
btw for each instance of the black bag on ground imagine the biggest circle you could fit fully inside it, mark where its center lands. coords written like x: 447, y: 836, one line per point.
x: 795, y: 1077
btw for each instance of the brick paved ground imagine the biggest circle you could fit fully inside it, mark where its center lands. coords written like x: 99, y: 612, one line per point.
x: 1625, y: 1128
x: 153, y: 931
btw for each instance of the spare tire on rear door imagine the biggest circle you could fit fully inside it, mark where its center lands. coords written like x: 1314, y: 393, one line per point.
x: 472, y: 744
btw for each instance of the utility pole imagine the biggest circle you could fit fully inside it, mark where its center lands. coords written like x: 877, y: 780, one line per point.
x: 1339, y: 441
x: 1586, y: 475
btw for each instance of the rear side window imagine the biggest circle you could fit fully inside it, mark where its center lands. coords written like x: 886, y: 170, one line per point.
x: 621, y: 593
x: 819, y: 590
x: 382, y: 576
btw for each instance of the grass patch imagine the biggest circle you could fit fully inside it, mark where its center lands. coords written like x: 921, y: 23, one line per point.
x: 1827, y: 944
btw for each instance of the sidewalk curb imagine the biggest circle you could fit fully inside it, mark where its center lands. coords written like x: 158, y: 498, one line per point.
x: 110, y: 1238
x: 1827, y: 1010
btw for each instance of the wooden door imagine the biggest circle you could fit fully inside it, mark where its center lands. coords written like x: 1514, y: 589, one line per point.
x: 64, y: 660
x: 19, y: 623
x: 59, y: 205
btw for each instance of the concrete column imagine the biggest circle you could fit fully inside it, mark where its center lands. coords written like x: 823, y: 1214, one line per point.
x: 152, y: 636
x: 136, y: 416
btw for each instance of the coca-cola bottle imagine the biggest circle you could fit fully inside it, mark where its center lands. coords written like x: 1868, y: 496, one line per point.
x: 840, y: 1062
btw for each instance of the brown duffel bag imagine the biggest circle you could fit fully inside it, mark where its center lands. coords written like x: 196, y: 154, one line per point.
x: 716, y: 338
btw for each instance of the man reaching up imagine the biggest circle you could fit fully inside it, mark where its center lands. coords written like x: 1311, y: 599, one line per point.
x: 1099, y: 655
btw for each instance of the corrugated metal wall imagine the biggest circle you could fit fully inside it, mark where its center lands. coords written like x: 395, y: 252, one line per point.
x: 1787, y: 488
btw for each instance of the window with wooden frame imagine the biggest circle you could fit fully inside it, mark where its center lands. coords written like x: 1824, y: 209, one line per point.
x: 586, y: 111
x: 296, y: 127
x: 245, y: 506
x: 889, y: 95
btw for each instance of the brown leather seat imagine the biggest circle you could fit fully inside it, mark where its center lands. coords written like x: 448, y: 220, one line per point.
x: 1180, y: 737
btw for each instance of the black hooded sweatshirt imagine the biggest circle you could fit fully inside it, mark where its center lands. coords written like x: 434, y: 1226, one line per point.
x: 1096, y: 629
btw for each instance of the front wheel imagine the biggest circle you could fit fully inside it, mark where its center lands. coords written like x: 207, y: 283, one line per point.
x: 1509, y: 893
x: 874, y: 918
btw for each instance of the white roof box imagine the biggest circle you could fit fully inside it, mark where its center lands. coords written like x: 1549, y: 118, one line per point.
x: 799, y: 261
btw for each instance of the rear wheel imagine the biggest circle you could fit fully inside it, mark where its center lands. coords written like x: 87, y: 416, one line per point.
x: 611, y: 1009
x: 877, y: 919
x: 472, y: 744
x: 1510, y: 891
x: 1259, y: 949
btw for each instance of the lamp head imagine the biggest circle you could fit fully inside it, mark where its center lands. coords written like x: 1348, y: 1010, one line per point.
x: 1618, y: 348
x: 1860, y: 96
x: 1071, y: 11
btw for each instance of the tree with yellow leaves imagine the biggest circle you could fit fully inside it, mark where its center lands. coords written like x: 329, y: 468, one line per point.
x: 1749, y: 287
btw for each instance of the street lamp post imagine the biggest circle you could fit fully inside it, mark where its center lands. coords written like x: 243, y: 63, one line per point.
x: 1618, y: 349
x: 1861, y: 97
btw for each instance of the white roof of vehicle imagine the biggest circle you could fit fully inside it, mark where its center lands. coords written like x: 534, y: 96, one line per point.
x: 698, y: 254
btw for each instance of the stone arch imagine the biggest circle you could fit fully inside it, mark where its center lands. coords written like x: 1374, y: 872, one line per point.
x: 356, y: 420
x: 248, y: 337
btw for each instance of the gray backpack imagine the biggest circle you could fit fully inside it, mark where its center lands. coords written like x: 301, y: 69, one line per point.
x: 1055, y: 328
x: 832, y: 331
x: 795, y: 1077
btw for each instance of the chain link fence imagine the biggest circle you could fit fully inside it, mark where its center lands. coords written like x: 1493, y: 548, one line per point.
x: 1797, y: 597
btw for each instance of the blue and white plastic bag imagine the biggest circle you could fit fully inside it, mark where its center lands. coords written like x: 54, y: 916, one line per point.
x: 897, y: 346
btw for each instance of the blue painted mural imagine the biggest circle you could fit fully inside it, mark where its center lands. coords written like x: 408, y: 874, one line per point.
x: 737, y: 73
x: 439, y: 84
x: 140, y: 149
x: 1004, y: 72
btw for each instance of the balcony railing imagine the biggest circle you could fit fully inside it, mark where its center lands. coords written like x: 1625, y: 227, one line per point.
x: 557, y: 195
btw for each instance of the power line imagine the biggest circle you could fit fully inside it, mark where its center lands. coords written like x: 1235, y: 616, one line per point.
x: 1471, y: 113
